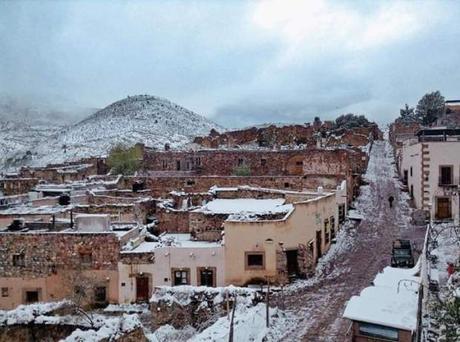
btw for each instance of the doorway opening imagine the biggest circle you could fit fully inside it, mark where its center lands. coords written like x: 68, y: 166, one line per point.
x: 292, y: 263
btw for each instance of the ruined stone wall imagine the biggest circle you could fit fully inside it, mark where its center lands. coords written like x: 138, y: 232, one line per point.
x: 256, y: 162
x: 117, y: 212
x: 162, y: 186
x: 206, y: 227
x: 17, y: 186
x: 36, y: 332
x: 47, y: 253
x: 400, y: 131
x: 137, y: 258
x: 172, y: 221
x: 264, y: 136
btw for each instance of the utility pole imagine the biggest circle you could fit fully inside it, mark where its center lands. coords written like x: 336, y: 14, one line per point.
x: 230, y: 335
x: 228, y: 305
x: 267, y: 301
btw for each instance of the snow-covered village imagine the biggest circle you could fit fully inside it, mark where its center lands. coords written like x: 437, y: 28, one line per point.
x: 280, y: 171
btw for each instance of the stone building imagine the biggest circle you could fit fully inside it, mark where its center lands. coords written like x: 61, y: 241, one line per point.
x: 49, y: 266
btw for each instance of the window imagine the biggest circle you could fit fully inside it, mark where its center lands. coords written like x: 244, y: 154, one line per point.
x: 100, y: 295
x: 178, y: 165
x: 406, y: 175
x: 332, y: 220
x: 411, y: 171
x: 32, y: 297
x: 198, y: 161
x: 445, y: 175
x: 263, y: 162
x: 326, y: 231
x: 341, y: 213
x: 5, y: 292
x: 190, y: 182
x: 19, y: 260
x: 240, y: 162
x: 378, y: 331
x: 255, y: 260
x: 165, y: 164
x: 299, y: 163
x: 181, y: 277
x: 286, y: 185
x: 207, y: 276
x: 86, y: 259
x: 79, y: 291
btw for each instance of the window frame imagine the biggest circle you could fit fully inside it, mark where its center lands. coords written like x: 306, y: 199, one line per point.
x: 441, y: 180
x: 173, y: 276
x: 247, y: 266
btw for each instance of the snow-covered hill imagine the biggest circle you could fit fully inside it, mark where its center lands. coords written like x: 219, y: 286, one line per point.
x: 147, y: 119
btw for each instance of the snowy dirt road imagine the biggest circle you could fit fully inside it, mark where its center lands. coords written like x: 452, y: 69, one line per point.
x: 360, y: 253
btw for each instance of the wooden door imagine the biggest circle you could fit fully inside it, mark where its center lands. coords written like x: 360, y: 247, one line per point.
x: 142, y: 289
x: 443, y: 210
x: 207, y: 277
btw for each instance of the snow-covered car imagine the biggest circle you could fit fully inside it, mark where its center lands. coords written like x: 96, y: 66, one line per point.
x: 401, y: 255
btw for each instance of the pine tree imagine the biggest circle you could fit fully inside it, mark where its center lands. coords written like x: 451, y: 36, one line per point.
x: 407, y: 113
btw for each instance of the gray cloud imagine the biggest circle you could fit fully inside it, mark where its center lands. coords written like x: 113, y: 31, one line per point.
x: 239, y: 63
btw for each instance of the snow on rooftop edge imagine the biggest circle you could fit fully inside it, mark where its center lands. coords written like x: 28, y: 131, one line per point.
x: 245, y: 205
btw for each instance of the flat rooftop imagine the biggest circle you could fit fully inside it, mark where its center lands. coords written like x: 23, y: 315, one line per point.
x: 246, y: 205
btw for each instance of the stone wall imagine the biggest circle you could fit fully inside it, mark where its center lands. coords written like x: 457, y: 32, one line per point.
x: 17, y: 186
x: 161, y: 186
x: 257, y: 162
x: 172, y: 221
x: 36, y: 332
x: 48, y: 253
x: 207, y: 227
x: 288, y: 135
x: 197, y: 307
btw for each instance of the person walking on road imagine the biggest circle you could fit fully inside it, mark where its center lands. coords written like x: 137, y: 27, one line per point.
x: 390, y: 200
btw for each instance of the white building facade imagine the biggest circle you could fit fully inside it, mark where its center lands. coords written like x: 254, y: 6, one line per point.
x: 430, y: 167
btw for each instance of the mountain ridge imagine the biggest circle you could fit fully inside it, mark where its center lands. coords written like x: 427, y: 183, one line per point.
x: 151, y: 120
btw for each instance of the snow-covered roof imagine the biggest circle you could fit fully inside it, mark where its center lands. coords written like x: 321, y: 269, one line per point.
x: 172, y: 240
x: 246, y: 205
x: 384, y: 306
x: 392, y: 302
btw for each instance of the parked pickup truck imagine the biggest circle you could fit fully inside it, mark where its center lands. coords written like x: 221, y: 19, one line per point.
x: 401, y: 255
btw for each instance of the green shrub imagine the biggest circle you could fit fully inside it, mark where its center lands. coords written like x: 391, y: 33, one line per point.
x: 124, y: 160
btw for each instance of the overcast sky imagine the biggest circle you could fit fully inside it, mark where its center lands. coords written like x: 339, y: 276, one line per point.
x: 237, y: 62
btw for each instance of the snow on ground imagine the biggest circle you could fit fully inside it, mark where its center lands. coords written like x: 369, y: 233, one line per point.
x: 182, y: 295
x: 111, y: 329
x: 249, y: 325
x: 24, y: 314
x: 128, y: 308
x: 168, y: 333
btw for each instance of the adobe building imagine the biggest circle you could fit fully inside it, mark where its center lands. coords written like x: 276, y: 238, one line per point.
x: 430, y: 167
x: 280, y: 248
